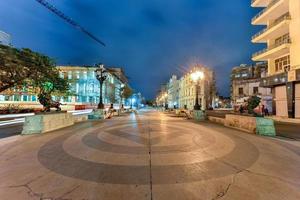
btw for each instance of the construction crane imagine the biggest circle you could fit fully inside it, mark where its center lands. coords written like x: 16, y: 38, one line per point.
x: 68, y: 20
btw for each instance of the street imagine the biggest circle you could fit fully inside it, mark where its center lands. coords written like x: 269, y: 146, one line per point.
x: 148, y: 155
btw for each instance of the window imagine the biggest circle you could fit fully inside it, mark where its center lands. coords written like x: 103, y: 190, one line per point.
x: 282, y: 39
x: 69, y: 75
x: 241, y: 91
x: 255, y: 90
x: 282, y: 63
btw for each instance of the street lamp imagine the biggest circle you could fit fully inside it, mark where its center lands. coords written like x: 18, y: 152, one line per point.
x: 101, y: 75
x: 132, y: 101
x: 196, y: 77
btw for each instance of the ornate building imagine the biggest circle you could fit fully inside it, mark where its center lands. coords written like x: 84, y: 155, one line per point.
x: 85, y: 88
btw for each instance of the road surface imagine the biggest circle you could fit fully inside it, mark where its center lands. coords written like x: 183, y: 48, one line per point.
x: 148, y: 155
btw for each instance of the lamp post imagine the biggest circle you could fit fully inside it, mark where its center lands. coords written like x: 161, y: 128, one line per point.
x: 196, y: 77
x: 101, y: 75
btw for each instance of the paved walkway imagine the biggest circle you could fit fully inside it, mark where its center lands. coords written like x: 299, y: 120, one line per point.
x: 148, y: 156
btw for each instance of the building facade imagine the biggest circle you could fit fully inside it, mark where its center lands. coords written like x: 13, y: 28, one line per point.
x: 181, y: 93
x: 85, y: 88
x: 245, y: 82
x: 282, y: 37
x: 207, y: 90
x: 173, y: 92
x: 5, y: 39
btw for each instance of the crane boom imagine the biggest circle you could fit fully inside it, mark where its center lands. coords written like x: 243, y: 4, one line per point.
x: 68, y: 20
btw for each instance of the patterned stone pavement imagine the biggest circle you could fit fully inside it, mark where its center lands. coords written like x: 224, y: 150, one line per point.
x: 148, y: 155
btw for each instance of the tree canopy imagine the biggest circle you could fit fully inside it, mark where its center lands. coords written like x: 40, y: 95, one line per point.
x: 23, y: 67
x: 127, y: 92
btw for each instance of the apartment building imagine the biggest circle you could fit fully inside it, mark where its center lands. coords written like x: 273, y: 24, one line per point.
x: 281, y: 34
x: 245, y: 82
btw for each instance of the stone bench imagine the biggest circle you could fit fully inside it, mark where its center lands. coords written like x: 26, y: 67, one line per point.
x: 42, y: 123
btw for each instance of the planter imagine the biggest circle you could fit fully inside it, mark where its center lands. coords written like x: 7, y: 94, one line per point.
x: 97, y: 114
x: 199, y: 115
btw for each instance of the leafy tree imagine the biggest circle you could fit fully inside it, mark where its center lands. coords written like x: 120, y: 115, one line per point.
x: 253, y: 102
x: 27, y: 69
x: 15, y: 67
x: 127, y: 92
x: 111, y: 93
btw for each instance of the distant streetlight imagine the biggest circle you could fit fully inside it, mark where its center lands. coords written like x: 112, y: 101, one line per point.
x: 132, y: 100
x: 196, y: 77
x: 101, y: 75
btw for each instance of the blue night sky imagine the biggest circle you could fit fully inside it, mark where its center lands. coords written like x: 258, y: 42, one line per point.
x: 150, y: 39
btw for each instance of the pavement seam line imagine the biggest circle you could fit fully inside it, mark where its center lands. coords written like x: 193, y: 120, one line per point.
x: 150, y: 159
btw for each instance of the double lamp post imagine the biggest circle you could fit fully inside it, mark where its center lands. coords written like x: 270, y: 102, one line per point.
x: 197, y: 76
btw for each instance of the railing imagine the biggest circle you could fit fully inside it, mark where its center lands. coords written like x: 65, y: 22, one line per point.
x: 287, y: 16
x: 265, y: 10
x: 286, y: 41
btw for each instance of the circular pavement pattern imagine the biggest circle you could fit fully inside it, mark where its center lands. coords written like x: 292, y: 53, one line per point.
x: 177, y: 152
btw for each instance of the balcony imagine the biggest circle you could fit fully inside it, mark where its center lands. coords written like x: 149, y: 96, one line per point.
x: 274, y: 80
x: 275, y: 9
x: 273, y: 51
x: 260, y: 3
x: 279, y: 27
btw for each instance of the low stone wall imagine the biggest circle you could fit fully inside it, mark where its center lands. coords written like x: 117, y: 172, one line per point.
x: 217, y: 120
x: 80, y: 118
x: 243, y: 123
x: 254, y: 125
x: 43, y: 123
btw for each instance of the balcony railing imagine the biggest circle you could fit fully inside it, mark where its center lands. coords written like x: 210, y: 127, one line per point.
x: 285, y: 41
x: 265, y: 10
x: 286, y: 16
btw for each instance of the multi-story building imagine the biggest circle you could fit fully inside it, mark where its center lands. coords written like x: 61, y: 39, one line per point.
x: 85, y: 89
x: 162, y: 97
x: 282, y: 36
x: 245, y: 82
x: 173, y: 92
x: 207, y: 90
x: 5, y: 39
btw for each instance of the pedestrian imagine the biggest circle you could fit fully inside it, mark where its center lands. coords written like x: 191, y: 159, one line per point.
x: 266, y: 112
x: 241, y: 109
x: 263, y: 110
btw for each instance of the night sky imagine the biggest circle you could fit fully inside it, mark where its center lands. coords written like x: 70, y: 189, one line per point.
x: 150, y: 39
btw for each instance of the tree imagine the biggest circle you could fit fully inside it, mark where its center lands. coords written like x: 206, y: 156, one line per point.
x: 15, y: 67
x: 111, y: 92
x: 127, y: 92
x: 253, y: 102
x: 25, y: 68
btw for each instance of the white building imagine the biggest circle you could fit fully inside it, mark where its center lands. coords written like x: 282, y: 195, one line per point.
x: 5, y: 39
x: 173, y: 92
